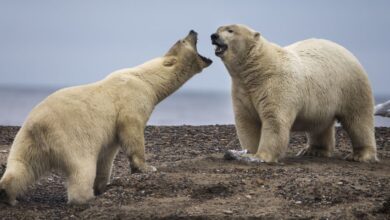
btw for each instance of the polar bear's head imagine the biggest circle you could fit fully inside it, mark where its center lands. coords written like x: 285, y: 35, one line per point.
x: 233, y: 41
x: 184, y: 55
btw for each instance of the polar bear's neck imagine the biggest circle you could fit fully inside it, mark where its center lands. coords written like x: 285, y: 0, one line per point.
x: 262, y: 62
x: 163, y: 81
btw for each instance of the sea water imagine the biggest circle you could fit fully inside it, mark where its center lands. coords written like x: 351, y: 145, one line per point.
x: 183, y: 107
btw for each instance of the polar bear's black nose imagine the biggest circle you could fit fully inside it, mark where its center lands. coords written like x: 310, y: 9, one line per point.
x: 193, y: 33
x: 214, y: 36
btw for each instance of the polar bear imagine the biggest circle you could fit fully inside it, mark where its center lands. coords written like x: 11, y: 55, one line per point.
x: 79, y: 130
x: 306, y: 86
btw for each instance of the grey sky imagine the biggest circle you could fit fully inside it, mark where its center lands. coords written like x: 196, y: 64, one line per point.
x: 62, y: 43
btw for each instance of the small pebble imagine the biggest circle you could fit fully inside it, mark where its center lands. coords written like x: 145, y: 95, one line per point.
x: 228, y: 211
x: 260, y: 182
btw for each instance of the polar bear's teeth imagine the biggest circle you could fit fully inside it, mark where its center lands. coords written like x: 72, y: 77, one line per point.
x: 215, y: 47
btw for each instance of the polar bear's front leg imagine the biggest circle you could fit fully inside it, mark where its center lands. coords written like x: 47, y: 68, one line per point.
x: 247, y: 121
x: 248, y: 132
x: 131, y: 135
x: 274, y: 140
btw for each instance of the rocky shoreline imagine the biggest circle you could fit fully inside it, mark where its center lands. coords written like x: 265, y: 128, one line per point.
x: 193, y: 181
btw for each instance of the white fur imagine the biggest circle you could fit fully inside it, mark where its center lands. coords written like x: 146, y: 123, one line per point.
x: 79, y: 130
x: 305, y: 86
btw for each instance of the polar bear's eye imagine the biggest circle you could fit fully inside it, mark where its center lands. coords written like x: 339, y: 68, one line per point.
x: 230, y: 31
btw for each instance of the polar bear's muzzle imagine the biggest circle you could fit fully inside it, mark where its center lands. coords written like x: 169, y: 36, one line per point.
x: 193, y: 37
x: 220, y: 46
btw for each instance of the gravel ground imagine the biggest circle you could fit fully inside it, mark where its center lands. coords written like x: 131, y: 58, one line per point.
x: 193, y: 181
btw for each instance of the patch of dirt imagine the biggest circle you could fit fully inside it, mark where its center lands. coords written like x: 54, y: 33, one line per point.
x: 193, y: 181
x: 213, y: 191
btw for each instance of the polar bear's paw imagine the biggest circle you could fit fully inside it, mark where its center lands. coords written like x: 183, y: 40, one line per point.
x: 4, y: 198
x: 362, y: 157
x: 316, y: 152
x: 144, y: 169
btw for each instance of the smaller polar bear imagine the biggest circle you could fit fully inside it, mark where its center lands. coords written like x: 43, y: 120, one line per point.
x: 79, y: 130
x: 305, y: 86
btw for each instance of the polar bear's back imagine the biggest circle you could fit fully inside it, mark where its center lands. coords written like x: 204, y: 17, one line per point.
x: 72, y: 112
x: 326, y: 62
x: 325, y: 57
x: 332, y: 78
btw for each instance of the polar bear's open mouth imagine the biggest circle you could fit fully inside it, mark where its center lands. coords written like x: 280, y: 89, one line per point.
x: 195, y: 43
x: 220, y: 47
x: 205, y: 59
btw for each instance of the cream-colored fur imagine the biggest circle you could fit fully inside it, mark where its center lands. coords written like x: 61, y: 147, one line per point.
x: 79, y: 130
x: 305, y: 86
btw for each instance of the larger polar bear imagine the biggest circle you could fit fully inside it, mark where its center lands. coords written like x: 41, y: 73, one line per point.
x: 79, y: 130
x: 305, y: 86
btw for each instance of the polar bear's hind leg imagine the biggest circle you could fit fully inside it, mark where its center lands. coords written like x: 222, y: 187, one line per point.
x: 104, y: 167
x: 360, y: 129
x: 320, y: 144
x: 24, y: 166
x: 81, y: 178
x: 15, y: 181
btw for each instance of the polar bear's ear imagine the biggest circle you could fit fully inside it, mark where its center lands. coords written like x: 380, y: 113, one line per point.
x: 256, y: 35
x: 170, y: 61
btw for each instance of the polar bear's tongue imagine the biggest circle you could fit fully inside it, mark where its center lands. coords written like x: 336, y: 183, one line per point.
x: 219, y: 49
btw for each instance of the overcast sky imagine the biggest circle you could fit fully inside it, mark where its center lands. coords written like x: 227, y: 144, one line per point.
x: 63, y: 43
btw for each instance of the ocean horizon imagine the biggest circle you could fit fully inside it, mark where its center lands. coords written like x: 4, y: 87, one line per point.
x: 184, y: 107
